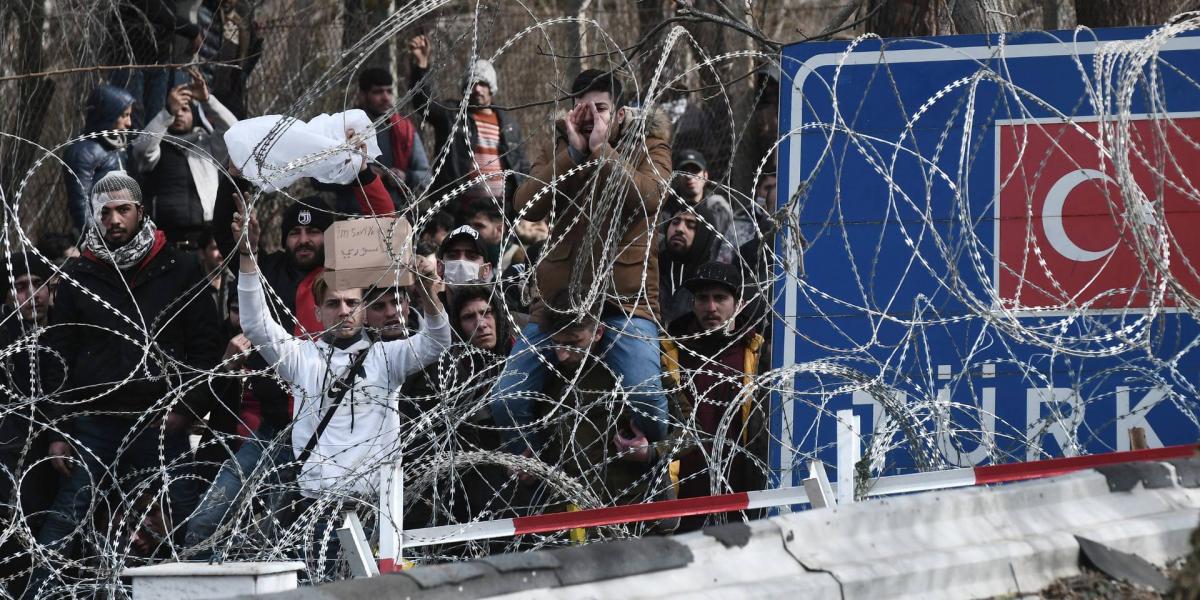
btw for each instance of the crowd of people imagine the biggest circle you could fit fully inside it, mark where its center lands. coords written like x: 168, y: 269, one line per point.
x: 595, y: 307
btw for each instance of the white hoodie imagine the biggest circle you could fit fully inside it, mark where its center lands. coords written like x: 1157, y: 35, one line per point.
x: 365, y: 430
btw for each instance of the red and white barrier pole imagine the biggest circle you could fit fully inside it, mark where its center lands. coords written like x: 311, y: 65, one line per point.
x: 883, y: 486
x: 391, y: 516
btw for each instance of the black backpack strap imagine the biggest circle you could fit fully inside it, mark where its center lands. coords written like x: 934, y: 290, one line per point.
x: 342, y: 386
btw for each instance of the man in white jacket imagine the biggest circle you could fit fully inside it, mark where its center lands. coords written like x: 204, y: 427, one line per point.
x: 364, y: 431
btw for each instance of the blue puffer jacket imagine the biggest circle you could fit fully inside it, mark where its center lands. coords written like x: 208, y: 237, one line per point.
x: 90, y: 159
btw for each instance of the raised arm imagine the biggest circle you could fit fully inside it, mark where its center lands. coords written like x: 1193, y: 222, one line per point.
x: 273, y: 341
x: 147, y: 150
x: 408, y: 356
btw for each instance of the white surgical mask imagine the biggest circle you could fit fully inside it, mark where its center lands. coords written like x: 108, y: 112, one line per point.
x: 459, y: 272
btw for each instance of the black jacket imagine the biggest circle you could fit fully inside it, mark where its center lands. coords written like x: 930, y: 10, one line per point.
x: 162, y: 334
x: 459, y: 163
x: 150, y: 27
x: 22, y: 380
x: 90, y: 159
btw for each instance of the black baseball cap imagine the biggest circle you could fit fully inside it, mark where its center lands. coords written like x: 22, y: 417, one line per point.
x: 463, y: 232
x: 691, y: 157
x: 716, y: 273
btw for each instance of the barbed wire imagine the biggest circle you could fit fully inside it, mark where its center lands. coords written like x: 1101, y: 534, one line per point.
x: 729, y: 428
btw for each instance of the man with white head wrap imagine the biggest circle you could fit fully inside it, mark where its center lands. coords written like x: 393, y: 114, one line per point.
x: 137, y: 337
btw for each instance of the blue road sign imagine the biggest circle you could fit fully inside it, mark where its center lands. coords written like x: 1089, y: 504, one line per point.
x: 997, y: 234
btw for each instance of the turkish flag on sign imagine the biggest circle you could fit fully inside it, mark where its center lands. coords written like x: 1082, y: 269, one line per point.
x: 1058, y: 198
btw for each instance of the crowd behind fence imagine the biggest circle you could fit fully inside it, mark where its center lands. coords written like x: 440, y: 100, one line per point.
x: 580, y: 315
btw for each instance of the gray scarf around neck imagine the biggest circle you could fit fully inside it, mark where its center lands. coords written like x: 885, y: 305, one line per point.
x: 127, y: 256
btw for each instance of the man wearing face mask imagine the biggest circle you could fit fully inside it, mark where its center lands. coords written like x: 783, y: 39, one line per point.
x: 462, y: 260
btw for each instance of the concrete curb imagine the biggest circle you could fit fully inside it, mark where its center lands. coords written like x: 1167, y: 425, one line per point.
x: 1015, y: 538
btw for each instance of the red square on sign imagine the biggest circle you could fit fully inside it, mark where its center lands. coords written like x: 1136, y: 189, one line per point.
x: 1063, y: 239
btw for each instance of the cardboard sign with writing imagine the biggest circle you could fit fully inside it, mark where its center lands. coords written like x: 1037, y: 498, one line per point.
x: 369, y: 251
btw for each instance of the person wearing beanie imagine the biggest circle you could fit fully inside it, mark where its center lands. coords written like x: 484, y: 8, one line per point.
x: 137, y: 337
x: 491, y: 145
x: 719, y: 351
x: 290, y: 271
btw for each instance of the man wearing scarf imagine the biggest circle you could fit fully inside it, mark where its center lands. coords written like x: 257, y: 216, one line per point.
x: 137, y: 337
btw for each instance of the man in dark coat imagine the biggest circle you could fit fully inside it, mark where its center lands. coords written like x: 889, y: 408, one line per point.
x: 137, y: 336
x: 688, y: 241
x: 109, y: 109
x: 28, y: 371
x: 718, y: 359
x: 490, y: 145
x: 290, y: 272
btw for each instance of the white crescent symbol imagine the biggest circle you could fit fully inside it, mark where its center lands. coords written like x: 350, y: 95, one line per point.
x: 1052, y: 212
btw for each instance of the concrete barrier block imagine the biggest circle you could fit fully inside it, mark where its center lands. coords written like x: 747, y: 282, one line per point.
x: 195, y: 581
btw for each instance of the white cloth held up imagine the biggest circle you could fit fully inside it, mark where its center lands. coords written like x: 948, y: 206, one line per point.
x: 275, y: 151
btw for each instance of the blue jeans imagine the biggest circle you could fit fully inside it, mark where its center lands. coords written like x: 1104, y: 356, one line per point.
x: 107, y: 455
x: 629, y: 347
x: 258, y: 459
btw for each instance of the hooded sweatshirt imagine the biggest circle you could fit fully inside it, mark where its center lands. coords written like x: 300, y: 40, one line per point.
x: 365, y: 429
x: 90, y: 159
x: 676, y: 300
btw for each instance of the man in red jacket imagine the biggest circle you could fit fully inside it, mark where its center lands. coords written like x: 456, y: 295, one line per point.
x: 401, y: 151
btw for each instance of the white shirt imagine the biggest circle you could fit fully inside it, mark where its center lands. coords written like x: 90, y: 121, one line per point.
x: 364, y: 432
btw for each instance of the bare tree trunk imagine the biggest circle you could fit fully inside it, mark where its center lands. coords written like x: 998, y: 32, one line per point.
x: 361, y: 16
x: 1050, y: 14
x: 902, y: 18
x: 1117, y: 13
x: 649, y: 14
x: 575, y: 43
x: 32, y: 94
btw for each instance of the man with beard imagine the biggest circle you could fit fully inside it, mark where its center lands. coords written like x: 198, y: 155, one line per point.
x: 492, y: 143
x: 718, y: 359
x: 400, y: 147
x: 291, y: 271
x: 129, y: 294
x: 179, y: 155
x: 689, y: 242
x: 691, y: 186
